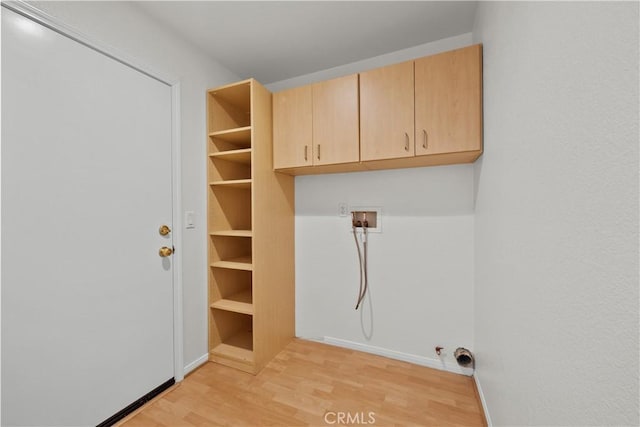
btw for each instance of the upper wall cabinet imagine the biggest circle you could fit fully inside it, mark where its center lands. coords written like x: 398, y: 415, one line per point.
x: 417, y: 113
x: 448, y: 102
x: 292, y: 128
x: 316, y: 124
x: 336, y: 136
x: 429, y: 106
x: 386, y: 112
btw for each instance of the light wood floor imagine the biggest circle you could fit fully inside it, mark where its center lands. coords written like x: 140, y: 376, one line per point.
x: 311, y: 384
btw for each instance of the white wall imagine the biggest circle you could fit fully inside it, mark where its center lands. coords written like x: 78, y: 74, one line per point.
x: 377, y: 61
x: 420, y: 266
x: 123, y: 26
x: 556, y: 324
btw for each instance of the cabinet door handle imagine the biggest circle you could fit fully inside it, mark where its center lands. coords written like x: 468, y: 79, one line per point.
x: 425, y: 139
x: 406, y: 141
x: 306, y: 149
x: 318, y: 151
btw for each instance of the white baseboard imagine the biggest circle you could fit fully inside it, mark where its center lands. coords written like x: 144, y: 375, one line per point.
x: 392, y: 354
x: 196, y: 363
x: 484, y: 403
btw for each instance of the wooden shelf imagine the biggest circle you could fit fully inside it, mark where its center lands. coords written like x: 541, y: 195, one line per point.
x: 234, y: 183
x: 234, y: 353
x: 233, y: 233
x: 238, y: 156
x: 238, y: 303
x: 238, y: 136
x: 249, y: 216
x: 236, y: 94
x: 240, y: 263
x: 237, y: 347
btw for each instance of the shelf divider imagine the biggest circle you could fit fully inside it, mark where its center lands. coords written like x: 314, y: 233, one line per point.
x: 237, y: 348
x: 238, y: 303
x: 233, y: 183
x: 242, y: 155
x: 232, y: 233
x: 238, y: 136
x: 240, y: 263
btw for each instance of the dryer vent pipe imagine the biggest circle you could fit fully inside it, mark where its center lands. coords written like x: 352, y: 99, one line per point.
x: 464, y: 357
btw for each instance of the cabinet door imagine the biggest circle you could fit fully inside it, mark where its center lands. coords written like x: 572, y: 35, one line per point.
x: 292, y: 128
x: 449, y: 101
x: 386, y: 112
x: 336, y: 136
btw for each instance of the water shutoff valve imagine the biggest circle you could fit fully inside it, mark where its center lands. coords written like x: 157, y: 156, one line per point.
x: 367, y: 219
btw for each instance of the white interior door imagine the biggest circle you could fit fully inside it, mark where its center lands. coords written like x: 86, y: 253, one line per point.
x: 87, y: 302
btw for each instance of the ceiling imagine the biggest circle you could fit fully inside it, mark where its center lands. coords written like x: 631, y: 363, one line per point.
x: 273, y: 41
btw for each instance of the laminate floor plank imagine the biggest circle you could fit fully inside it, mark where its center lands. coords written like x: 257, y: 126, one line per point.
x: 310, y: 383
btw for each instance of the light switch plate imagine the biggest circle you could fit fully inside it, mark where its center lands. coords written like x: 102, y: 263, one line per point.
x: 189, y: 222
x: 343, y: 210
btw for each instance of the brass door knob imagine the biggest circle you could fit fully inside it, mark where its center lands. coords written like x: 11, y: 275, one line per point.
x: 164, y: 230
x: 165, y: 251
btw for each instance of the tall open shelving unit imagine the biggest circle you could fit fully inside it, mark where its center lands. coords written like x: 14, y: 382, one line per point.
x: 250, y: 225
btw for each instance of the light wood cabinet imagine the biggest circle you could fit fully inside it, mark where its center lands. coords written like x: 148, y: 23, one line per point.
x: 448, y: 102
x: 336, y: 136
x: 386, y: 112
x: 434, y: 103
x: 250, y: 231
x: 316, y: 125
x: 293, y: 128
x: 417, y: 113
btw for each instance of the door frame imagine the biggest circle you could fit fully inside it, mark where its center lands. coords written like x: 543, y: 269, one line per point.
x: 48, y: 21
